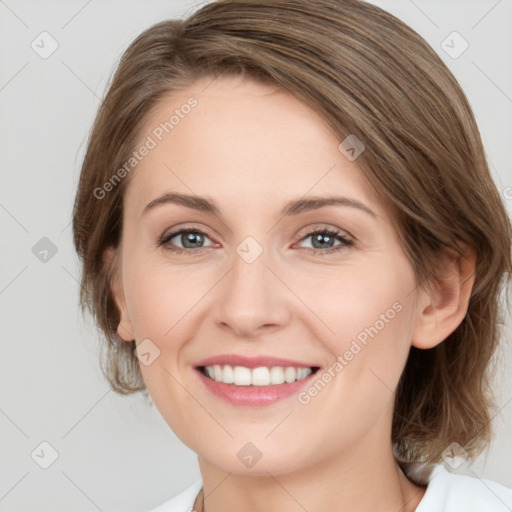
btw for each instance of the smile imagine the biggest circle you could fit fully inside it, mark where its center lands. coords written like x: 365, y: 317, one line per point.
x: 254, y: 387
x: 260, y: 376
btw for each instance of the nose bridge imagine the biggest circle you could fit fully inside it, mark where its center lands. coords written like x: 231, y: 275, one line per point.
x: 250, y: 267
x: 251, y: 295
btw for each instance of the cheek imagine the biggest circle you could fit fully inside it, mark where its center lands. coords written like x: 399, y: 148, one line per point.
x: 160, y: 302
x: 369, y: 312
x: 159, y: 297
x: 360, y: 301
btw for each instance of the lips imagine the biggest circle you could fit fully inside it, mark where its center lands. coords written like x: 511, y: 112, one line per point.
x: 243, y: 394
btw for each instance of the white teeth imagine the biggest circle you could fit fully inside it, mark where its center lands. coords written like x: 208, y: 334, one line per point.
x: 261, y: 376
x: 228, y: 375
x: 217, y: 373
x: 276, y: 375
x: 302, y: 373
x: 241, y: 376
x: 289, y: 374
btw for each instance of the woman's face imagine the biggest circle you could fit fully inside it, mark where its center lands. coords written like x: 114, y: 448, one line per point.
x: 258, y: 278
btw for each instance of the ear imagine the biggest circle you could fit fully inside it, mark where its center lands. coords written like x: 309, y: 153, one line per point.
x: 111, y: 261
x: 444, y: 303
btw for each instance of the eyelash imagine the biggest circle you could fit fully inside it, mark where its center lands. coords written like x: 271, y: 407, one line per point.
x: 345, y: 242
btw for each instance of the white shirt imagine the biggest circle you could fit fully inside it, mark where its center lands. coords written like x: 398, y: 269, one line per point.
x: 446, y: 492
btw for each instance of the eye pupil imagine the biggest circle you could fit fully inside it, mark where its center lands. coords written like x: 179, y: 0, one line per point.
x: 193, y: 238
x: 322, y: 239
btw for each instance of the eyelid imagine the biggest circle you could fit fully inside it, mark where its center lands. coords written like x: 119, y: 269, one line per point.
x: 185, y: 227
x: 171, y: 233
x: 326, y: 227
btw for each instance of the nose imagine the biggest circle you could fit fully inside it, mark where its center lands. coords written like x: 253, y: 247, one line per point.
x: 252, y: 299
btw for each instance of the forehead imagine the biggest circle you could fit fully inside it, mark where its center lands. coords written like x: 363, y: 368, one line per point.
x: 236, y: 139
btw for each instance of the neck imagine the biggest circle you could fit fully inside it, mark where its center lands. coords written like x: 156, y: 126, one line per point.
x: 359, y: 478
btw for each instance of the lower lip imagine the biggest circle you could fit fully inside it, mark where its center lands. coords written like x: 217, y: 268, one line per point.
x: 255, y: 396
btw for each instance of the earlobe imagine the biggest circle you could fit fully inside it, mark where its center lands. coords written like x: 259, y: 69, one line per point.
x: 443, y: 306
x: 124, y: 327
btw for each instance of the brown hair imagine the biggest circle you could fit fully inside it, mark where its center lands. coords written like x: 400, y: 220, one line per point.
x: 367, y: 74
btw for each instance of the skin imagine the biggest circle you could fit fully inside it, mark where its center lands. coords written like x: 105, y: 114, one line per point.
x: 252, y: 148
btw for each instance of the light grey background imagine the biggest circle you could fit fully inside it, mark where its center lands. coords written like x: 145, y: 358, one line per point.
x: 116, y: 453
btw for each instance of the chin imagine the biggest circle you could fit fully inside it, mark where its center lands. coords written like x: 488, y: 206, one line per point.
x: 248, y: 460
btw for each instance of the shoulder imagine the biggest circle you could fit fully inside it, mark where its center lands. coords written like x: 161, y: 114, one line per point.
x: 182, y: 502
x: 450, y: 492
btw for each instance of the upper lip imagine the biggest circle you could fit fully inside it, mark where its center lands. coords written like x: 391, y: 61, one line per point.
x: 251, y: 362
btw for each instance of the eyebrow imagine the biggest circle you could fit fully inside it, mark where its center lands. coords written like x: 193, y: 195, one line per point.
x: 293, y: 207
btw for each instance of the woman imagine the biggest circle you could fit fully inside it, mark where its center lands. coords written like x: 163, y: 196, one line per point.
x: 292, y: 242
